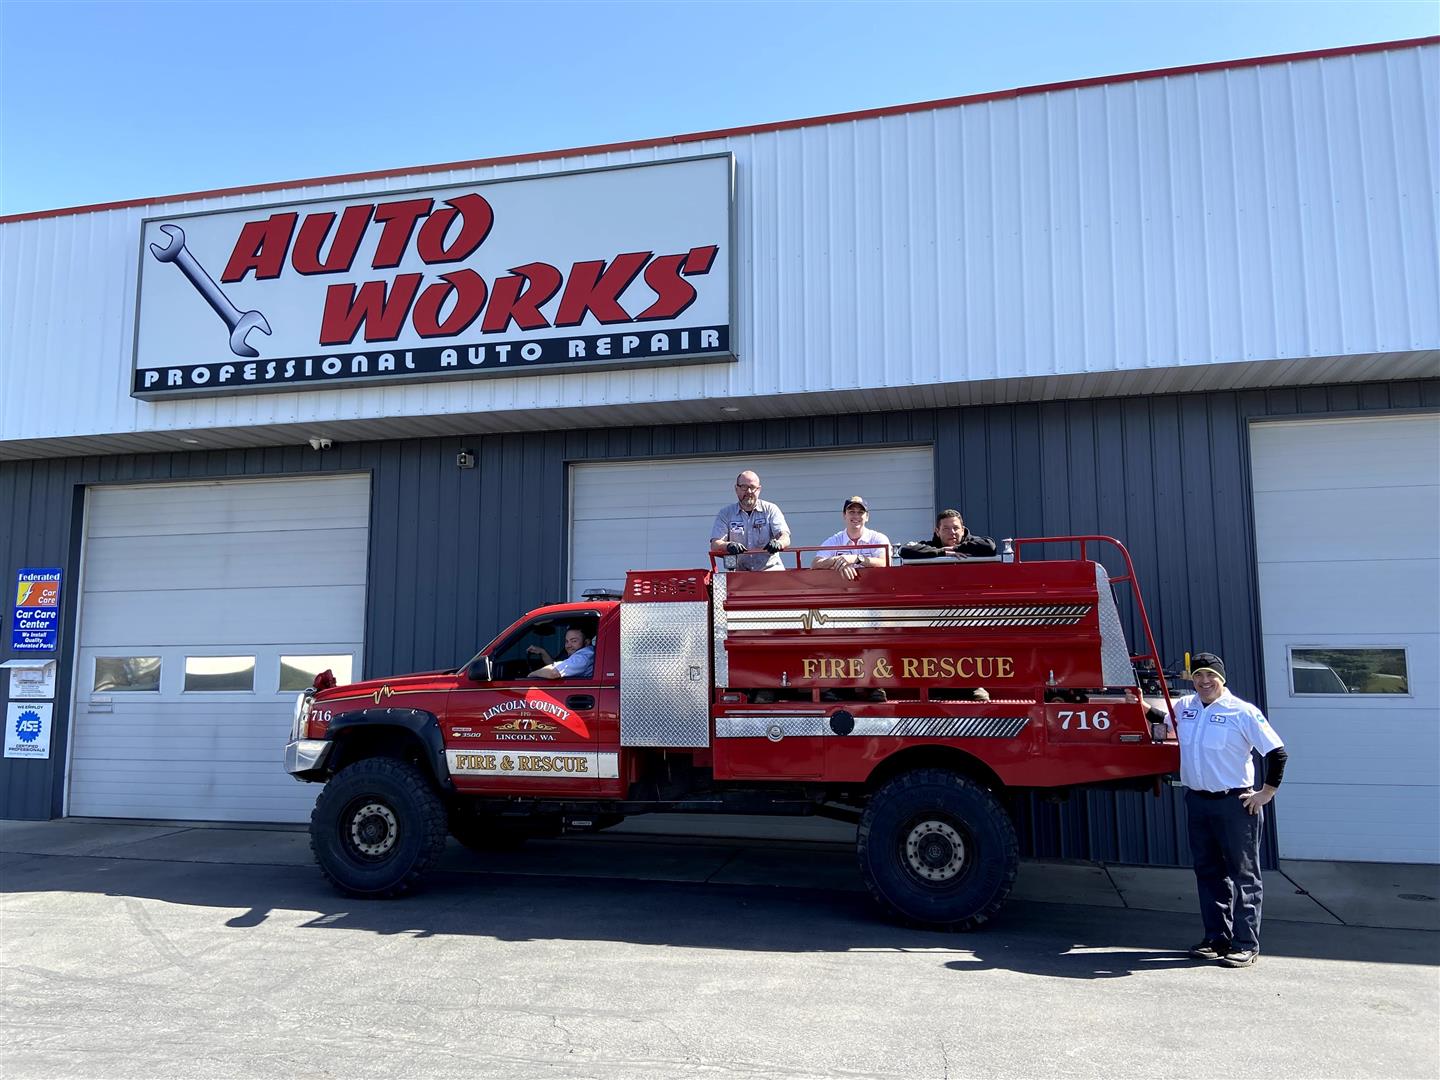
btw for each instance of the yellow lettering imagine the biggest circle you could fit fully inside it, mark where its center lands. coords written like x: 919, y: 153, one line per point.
x: 857, y: 669
x: 947, y: 667
x: 960, y: 666
x: 834, y: 669
x: 928, y: 668
x: 808, y: 666
x: 908, y: 666
x: 1007, y: 668
x: 883, y: 669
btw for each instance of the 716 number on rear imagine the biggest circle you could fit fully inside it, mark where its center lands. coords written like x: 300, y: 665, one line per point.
x: 1070, y: 724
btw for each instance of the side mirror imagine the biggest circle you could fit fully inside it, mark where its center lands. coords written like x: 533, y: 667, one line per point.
x: 480, y: 670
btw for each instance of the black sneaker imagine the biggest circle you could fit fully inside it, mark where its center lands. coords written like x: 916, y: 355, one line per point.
x: 1240, y: 957
x: 1210, y: 949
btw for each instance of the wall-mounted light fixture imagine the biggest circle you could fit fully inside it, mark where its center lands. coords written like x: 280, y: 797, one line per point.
x: 465, y: 459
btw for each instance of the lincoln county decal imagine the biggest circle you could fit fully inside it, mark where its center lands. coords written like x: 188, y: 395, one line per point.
x: 536, y: 704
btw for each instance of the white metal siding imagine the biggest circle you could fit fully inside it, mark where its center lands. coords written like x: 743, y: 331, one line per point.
x: 1276, y: 212
x: 658, y: 514
x: 1347, y: 525
x: 255, y: 568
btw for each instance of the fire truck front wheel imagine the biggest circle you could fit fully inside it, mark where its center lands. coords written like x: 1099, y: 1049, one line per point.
x: 377, y: 827
x: 938, y: 850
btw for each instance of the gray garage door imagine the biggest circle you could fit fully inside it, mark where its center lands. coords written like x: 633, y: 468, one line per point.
x: 1346, y: 515
x: 657, y: 514
x: 203, y: 608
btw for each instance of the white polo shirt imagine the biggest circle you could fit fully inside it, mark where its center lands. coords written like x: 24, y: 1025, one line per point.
x: 1216, y: 741
x: 871, y: 544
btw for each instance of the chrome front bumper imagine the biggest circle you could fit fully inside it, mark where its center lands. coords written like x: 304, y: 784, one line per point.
x: 305, y: 755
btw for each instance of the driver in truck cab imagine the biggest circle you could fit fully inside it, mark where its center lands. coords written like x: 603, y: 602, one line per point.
x: 577, y: 663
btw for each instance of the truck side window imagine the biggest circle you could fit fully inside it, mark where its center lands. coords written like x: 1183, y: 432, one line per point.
x: 513, y: 659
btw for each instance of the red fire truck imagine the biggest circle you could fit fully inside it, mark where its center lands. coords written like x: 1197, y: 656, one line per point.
x: 911, y: 700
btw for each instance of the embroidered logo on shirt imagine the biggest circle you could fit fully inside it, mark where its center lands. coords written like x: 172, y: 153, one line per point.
x: 1188, y: 714
x: 1219, y: 719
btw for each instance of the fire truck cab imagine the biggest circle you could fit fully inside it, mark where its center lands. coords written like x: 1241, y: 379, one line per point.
x: 911, y: 700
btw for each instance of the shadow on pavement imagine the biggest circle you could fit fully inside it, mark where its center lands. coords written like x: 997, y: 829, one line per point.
x: 1053, y: 940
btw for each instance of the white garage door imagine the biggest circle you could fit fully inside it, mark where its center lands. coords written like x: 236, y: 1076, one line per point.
x: 657, y: 514
x: 1347, y: 525
x: 203, y: 608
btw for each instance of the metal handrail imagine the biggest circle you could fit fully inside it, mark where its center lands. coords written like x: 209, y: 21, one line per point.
x: 798, y: 551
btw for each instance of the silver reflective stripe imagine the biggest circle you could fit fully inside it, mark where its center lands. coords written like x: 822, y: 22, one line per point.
x: 718, y: 592
x: 880, y: 618
x: 792, y: 725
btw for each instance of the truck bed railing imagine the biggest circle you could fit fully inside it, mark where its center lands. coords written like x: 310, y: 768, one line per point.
x: 1153, y: 656
x: 799, y: 551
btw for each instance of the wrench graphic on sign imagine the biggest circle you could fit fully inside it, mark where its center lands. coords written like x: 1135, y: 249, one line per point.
x: 240, y: 322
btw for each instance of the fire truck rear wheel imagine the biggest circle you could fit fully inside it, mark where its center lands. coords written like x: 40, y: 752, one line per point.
x: 377, y: 827
x: 938, y: 850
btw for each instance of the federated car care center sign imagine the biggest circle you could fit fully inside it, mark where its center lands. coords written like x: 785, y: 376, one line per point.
x: 572, y: 271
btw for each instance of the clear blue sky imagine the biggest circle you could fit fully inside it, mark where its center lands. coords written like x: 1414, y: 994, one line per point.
x: 108, y: 101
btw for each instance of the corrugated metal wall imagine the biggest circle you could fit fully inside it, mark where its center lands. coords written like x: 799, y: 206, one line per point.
x: 1262, y: 213
x: 456, y: 554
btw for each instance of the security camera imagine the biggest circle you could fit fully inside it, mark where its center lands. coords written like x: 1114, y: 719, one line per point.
x: 465, y: 459
x: 320, y: 444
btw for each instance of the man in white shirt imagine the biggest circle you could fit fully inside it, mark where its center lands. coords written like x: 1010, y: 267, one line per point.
x: 862, y: 546
x: 577, y: 663
x: 1218, y: 734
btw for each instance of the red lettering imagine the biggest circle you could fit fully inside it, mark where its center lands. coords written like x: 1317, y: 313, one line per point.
x: 468, y: 288
x: 305, y: 256
x: 381, y: 313
x: 261, y: 247
x: 699, y: 260
x: 476, y: 218
x: 673, y: 294
x: 596, y: 288
x: 509, y: 300
x: 399, y: 219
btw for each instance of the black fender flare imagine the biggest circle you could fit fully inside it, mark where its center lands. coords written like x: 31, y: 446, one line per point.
x: 424, y: 726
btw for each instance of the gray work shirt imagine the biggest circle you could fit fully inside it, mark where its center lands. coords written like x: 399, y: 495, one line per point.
x: 754, y: 529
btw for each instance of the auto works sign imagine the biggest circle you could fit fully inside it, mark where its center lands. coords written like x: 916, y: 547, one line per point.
x: 572, y: 271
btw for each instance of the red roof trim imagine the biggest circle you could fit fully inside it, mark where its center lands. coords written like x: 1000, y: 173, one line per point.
x: 722, y: 133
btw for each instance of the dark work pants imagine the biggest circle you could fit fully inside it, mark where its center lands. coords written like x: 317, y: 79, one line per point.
x: 1225, y: 850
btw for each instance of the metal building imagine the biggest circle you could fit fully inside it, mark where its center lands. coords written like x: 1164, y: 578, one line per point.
x: 363, y: 422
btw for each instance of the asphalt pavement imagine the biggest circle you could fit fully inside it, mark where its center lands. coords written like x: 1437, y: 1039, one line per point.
x: 149, y: 950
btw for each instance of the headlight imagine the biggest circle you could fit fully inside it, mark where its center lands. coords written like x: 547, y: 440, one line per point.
x: 302, y: 713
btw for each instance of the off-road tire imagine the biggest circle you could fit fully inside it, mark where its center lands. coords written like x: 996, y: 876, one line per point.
x: 937, y: 850
x: 377, y: 827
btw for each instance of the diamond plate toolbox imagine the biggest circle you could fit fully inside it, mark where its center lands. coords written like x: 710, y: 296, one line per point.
x: 665, y: 674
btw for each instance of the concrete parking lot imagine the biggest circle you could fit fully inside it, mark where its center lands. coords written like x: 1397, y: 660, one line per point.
x: 146, y: 951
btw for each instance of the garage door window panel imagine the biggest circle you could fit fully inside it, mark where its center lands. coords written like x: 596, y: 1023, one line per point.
x: 1324, y: 672
x: 127, y: 675
x: 220, y: 674
x: 298, y: 672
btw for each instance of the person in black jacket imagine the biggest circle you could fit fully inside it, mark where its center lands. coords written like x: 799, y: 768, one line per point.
x: 951, y: 538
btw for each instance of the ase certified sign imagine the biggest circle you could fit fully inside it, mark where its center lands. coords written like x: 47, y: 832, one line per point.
x: 581, y: 270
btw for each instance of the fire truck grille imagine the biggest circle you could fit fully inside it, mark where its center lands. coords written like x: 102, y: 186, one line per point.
x: 886, y: 618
